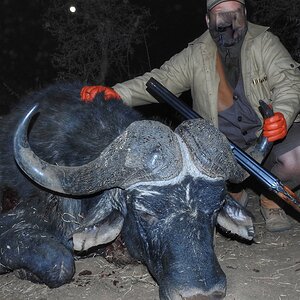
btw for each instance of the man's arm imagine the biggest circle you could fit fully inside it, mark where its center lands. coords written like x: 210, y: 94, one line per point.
x: 283, y: 77
x: 173, y: 74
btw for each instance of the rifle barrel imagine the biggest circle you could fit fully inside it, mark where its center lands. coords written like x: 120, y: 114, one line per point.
x: 163, y: 95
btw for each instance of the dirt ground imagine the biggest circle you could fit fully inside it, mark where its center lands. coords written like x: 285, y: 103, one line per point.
x: 268, y: 269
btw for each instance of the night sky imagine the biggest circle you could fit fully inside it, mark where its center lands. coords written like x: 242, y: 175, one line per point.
x: 26, y: 47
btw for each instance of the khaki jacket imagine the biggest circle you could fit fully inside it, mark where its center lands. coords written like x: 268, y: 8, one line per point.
x: 269, y: 73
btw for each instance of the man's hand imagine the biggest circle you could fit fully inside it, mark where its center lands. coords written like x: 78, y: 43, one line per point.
x: 88, y: 93
x: 275, y: 127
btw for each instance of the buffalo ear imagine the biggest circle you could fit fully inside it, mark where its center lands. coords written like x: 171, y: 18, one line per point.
x: 103, y: 221
x: 234, y: 219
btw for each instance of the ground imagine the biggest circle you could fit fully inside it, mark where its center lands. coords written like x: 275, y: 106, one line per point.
x: 266, y: 270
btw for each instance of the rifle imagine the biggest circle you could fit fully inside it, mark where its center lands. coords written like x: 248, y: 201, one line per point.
x: 262, y: 147
x: 163, y: 95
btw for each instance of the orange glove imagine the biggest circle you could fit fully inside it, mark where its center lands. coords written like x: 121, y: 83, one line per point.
x: 88, y: 93
x: 275, y: 127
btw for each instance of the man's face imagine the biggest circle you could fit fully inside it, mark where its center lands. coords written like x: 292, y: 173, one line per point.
x: 227, y: 23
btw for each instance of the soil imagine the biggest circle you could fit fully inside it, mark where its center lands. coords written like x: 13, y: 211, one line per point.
x: 267, y: 269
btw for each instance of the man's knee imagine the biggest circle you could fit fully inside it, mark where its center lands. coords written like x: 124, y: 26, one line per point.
x: 290, y: 161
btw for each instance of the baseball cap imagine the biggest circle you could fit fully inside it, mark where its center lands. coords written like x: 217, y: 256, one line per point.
x: 212, y: 3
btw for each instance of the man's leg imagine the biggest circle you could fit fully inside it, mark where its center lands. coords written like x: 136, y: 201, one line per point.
x: 284, y: 163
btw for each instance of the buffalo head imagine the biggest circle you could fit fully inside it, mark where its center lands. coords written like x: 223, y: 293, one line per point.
x: 164, y: 190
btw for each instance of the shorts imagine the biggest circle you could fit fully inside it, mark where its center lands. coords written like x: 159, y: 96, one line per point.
x: 290, y: 142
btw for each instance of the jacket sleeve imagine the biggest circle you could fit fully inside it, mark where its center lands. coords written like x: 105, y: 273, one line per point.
x: 174, y: 74
x: 283, y: 76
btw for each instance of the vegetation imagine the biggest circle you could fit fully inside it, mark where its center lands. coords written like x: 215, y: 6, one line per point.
x: 283, y: 18
x: 107, y: 40
x: 96, y: 42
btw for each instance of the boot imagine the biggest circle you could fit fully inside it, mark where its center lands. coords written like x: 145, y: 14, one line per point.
x: 275, y: 217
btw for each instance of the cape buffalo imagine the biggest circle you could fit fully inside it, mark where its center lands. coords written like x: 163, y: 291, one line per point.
x: 85, y: 172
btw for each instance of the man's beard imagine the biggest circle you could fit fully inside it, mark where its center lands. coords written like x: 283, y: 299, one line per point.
x: 228, y: 30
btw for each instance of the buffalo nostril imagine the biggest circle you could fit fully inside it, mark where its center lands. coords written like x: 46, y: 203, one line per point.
x: 213, y: 296
x: 197, y: 297
x: 217, y: 296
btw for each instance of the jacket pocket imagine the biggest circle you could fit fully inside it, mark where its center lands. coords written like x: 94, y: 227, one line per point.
x: 260, y: 86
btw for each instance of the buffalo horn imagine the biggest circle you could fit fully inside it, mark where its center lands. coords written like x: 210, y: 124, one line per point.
x: 146, y: 151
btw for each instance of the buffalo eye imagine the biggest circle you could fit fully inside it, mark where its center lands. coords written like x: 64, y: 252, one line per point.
x: 148, y: 217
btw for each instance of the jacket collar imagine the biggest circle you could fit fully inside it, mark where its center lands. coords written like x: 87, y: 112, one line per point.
x: 255, y: 30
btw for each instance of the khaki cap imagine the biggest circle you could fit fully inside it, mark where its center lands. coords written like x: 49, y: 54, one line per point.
x: 212, y: 3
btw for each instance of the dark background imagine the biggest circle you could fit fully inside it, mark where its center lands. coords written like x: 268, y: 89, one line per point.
x: 26, y: 47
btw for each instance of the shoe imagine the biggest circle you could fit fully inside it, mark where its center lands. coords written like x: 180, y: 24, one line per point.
x: 241, y: 197
x: 276, y: 219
